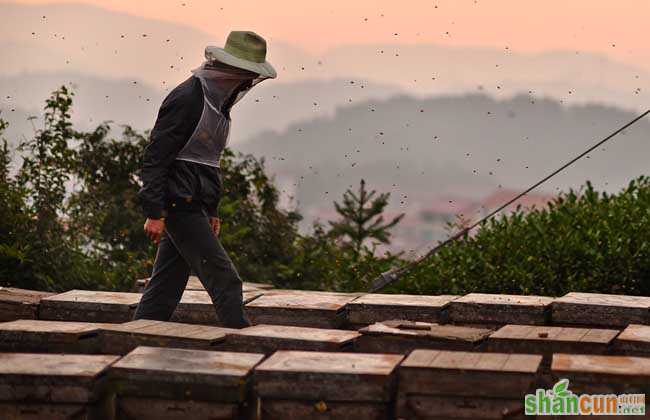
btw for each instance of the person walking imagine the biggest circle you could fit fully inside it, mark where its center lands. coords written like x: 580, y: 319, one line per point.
x: 182, y: 183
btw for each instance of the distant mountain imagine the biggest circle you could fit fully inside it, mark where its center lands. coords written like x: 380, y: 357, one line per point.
x: 453, y: 145
x: 112, y: 45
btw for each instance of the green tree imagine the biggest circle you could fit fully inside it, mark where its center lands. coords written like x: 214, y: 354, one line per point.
x: 362, y: 219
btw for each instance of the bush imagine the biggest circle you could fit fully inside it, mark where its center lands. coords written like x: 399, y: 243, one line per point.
x: 584, y: 241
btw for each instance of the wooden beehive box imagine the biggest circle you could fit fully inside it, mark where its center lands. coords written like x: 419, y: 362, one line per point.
x: 546, y: 340
x: 300, y: 308
x: 404, y: 336
x: 20, y: 303
x: 326, y: 385
x: 196, y: 307
x: 633, y: 341
x: 123, y: 338
x: 38, y: 336
x: 372, y: 308
x: 193, y: 283
x: 90, y: 306
x: 159, y: 383
x: 488, y: 309
x: 464, y: 384
x: 54, y: 386
x: 269, y: 338
x: 594, y: 309
x: 597, y: 374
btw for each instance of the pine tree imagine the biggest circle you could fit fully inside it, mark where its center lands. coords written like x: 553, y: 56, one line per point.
x: 362, y: 219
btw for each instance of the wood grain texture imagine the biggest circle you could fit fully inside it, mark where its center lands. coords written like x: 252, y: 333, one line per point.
x: 270, y: 338
x: 50, y: 336
x: 193, y: 374
x: 371, y: 308
x: 486, y: 309
x: 20, y: 303
x: 404, y: 336
x: 196, y: 307
x: 90, y: 306
x: 123, y: 338
x: 300, y: 308
x: 60, y: 378
x: 451, y: 373
x: 194, y: 283
x: 601, y: 310
x: 546, y: 340
x: 634, y: 340
x: 326, y: 376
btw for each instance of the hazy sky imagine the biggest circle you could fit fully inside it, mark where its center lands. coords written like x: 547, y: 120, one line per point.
x: 616, y: 28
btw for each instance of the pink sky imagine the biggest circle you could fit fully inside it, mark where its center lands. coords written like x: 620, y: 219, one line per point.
x: 616, y: 28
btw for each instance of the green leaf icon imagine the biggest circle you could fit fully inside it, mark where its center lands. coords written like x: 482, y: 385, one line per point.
x: 560, y: 389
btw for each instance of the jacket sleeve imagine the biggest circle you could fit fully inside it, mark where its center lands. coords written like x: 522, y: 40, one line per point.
x: 168, y: 137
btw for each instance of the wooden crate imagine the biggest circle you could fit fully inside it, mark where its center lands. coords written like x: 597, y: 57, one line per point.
x: 32, y: 335
x: 20, y: 303
x: 300, y: 308
x: 372, y: 308
x: 90, y: 306
x: 603, y: 374
x: 123, y: 338
x: 153, y: 383
x: 54, y: 386
x: 436, y: 381
x: 488, y: 309
x: 196, y: 307
x: 269, y: 338
x: 194, y: 283
x: 546, y: 340
x: 601, y: 310
x: 633, y: 341
x: 404, y: 336
x: 324, y: 384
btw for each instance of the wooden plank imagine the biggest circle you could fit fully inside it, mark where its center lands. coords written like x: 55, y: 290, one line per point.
x: 300, y: 308
x: 331, y: 410
x: 417, y: 406
x: 194, y: 283
x: 20, y: 303
x: 300, y: 375
x: 480, y: 308
x: 546, y: 340
x: 598, y: 374
x: 170, y: 373
x: 196, y: 307
x: 633, y: 341
x: 601, y: 310
x: 403, y: 336
x: 123, y: 338
x: 52, y: 378
x: 270, y: 338
x: 372, y: 308
x: 128, y: 408
x: 90, y: 306
x: 50, y: 336
x: 494, y: 375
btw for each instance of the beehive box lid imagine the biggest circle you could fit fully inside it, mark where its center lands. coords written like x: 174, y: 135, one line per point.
x: 427, y: 330
x: 485, y: 308
x: 415, y: 301
x: 199, y: 300
x: 93, y: 300
x: 12, y: 295
x: 596, y: 299
x: 68, y: 378
x: 51, y: 327
x: 469, y: 361
x: 285, y: 332
x: 635, y: 338
x: 602, y: 369
x: 169, y: 365
x: 326, y: 376
x: 147, y: 327
x: 601, y: 309
x: 303, y: 299
x: 549, y: 333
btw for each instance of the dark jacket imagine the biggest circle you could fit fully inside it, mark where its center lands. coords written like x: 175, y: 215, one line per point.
x: 167, y: 180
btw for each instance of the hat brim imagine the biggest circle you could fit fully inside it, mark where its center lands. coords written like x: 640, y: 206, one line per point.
x: 219, y: 54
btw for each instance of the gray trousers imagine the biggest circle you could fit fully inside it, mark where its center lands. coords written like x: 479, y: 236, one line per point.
x: 189, y: 244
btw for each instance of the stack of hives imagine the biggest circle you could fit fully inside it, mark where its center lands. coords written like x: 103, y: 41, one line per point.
x: 314, y: 355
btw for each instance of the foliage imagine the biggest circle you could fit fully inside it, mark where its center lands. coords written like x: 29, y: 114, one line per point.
x: 584, y: 241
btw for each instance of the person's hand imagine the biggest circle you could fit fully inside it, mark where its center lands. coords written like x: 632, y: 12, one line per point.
x: 154, y: 229
x: 215, y: 224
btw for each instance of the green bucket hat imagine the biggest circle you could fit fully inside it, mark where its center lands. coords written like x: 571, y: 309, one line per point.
x: 245, y: 50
